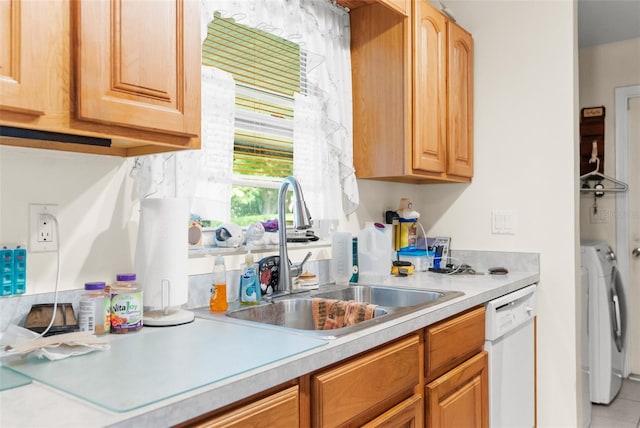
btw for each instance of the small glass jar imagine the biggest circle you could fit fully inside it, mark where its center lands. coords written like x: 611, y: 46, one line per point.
x: 94, y: 314
x: 126, y: 304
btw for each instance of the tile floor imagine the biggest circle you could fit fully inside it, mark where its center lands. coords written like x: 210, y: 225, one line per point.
x: 624, y: 410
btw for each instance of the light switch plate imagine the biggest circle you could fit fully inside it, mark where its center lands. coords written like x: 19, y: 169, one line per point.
x: 503, y: 222
x: 599, y: 216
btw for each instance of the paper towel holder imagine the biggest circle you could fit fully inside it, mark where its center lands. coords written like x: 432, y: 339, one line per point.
x: 168, y: 315
x: 161, y: 261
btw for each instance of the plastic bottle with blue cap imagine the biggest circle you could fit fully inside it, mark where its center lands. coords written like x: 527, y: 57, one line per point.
x: 250, y: 292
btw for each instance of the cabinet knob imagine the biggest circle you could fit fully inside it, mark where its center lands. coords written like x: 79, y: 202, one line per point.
x: 636, y: 252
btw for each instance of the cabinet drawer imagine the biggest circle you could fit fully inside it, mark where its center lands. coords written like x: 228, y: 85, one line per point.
x: 277, y: 410
x: 450, y: 342
x: 375, y: 379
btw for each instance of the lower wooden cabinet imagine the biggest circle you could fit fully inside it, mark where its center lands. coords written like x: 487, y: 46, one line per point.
x: 357, y: 391
x: 460, y: 397
x: 452, y: 341
x: 383, y: 387
x: 279, y: 410
x: 408, y: 414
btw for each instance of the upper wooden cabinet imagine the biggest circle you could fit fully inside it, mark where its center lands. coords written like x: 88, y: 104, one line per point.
x: 412, y: 95
x: 401, y: 6
x: 23, y: 54
x: 106, y: 77
x: 460, y: 102
x: 135, y: 65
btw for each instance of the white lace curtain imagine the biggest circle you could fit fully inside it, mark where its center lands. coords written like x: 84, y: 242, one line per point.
x: 323, y: 148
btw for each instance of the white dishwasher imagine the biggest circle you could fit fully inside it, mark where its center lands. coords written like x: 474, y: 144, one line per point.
x: 509, y: 340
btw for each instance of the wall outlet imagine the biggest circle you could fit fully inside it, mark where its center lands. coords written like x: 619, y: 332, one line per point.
x: 42, y: 228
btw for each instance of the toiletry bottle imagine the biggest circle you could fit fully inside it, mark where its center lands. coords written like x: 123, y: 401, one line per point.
x: 218, y: 299
x: 95, y: 309
x: 250, y: 293
x: 248, y: 262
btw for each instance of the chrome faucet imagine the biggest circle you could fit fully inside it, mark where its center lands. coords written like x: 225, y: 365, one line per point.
x: 301, y: 220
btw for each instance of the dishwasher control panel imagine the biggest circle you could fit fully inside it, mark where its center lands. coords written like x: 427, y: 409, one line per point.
x: 510, y: 311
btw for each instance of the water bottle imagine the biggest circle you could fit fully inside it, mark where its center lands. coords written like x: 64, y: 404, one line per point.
x: 342, y: 257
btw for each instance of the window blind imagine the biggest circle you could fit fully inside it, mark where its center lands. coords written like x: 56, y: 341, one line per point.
x: 267, y: 71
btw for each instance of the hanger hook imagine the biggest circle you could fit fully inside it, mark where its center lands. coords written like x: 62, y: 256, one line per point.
x: 597, y: 161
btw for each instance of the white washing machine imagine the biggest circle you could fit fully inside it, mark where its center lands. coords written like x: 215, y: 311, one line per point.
x: 584, y: 349
x: 606, y: 320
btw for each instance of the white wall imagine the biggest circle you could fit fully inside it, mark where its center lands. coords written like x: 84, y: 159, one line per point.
x: 602, y: 69
x: 97, y: 213
x: 526, y: 161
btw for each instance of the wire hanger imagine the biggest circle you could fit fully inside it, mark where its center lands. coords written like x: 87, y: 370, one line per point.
x: 597, y: 176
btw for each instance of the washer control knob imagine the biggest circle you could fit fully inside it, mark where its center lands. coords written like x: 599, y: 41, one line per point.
x: 611, y: 255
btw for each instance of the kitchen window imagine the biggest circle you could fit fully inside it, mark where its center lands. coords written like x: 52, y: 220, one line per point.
x: 267, y: 71
x: 255, y: 133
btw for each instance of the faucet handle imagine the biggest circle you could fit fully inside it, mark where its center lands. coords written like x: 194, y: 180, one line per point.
x: 296, y: 269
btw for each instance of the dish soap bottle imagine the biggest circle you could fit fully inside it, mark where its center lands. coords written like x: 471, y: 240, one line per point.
x: 250, y: 293
x: 218, y: 299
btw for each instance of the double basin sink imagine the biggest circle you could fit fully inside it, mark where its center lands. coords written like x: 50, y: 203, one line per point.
x: 295, y: 312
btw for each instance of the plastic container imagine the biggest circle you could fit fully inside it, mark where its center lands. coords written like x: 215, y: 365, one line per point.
x: 94, y: 311
x: 407, y: 235
x: 218, y: 298
x: 421, y: 259
x: 6, y: 267
x: 342, y: 257
x: 374, y: 255
x: 126, y: 304
x: 250, y: 293
x: 19, y: 270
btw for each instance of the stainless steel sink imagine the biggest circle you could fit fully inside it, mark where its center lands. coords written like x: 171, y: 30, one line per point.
x: 294, y: 312
x: 384, y: 296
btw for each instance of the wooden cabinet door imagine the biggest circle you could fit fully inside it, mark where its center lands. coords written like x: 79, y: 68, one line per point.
x: 460, y: 398
x: 460, y: 96
x: 429, y: 88
x: 138, y: 64
x: 367, y: 385
x: 280, y: 410
x: 408, y: 414
x: 31, y: 34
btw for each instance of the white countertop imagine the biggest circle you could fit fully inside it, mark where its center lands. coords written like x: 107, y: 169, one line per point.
x: 36, y: 404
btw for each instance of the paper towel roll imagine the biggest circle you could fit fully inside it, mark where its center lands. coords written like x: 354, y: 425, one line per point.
x: 162, y: 252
